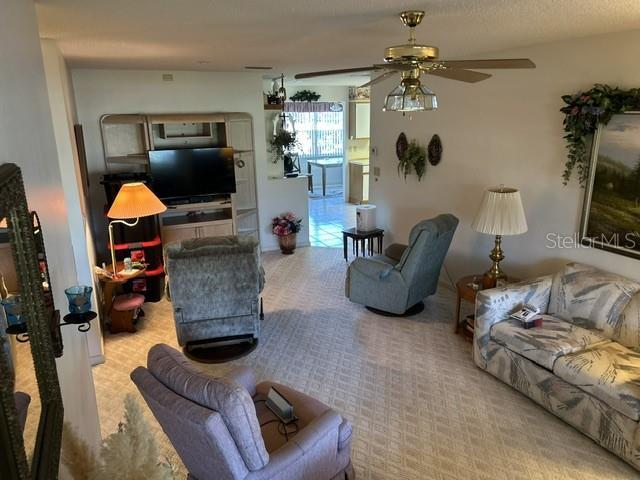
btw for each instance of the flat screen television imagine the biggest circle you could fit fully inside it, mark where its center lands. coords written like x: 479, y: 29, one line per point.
x: 182, y: 176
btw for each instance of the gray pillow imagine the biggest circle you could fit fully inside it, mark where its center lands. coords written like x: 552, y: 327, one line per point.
x: 229, y: 399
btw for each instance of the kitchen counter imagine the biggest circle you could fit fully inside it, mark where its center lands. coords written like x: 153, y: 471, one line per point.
x: 359, y: 161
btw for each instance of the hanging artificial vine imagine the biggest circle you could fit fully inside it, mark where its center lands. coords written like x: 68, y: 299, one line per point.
x: 584, y: 112
x: 413, y: 158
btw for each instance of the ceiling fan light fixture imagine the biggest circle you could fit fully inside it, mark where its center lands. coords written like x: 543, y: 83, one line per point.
x: 410, y: 96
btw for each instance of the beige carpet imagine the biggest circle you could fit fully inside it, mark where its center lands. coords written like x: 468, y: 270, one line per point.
x: 420, y: 407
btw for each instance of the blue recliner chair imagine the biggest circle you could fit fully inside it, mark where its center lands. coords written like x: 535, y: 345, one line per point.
x: 396, y: 283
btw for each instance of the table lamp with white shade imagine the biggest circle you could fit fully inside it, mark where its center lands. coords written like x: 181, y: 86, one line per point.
x: 134, y: 200
x: 500, y: 214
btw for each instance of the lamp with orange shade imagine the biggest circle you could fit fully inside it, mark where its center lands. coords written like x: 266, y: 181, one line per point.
x: 134, y: 200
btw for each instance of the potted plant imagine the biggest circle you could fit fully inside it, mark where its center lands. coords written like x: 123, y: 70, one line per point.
x: 285, y: 226
x: 282, y: 145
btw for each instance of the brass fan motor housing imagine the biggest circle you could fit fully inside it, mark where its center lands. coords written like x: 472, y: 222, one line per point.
x: 411, y: 52
x: 415, y: 53
x: 412, y: 18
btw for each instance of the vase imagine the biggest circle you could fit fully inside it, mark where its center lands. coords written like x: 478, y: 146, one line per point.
x: 287, y: 243
x: 288, y: 164
x: 79, y: 297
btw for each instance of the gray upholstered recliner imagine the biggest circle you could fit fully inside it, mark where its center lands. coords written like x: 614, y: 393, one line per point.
x: 215, y: 285
x: 222, y: 429
x: 402, y: 277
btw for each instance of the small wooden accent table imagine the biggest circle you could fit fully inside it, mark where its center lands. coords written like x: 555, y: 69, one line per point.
x: 362, y: 239
x: 110, y: 284
x: 468, y: 293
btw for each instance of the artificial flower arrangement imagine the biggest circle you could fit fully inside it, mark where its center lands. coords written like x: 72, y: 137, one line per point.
x: 286, y: 224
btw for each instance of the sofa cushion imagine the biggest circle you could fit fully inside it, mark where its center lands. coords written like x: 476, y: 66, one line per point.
x: 608, y: 371
x: 591, y: 298
x: 228, y: 398
x: 543, y: 345
x: 627, y: 331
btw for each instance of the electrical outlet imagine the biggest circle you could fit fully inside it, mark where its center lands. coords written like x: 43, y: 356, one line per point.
x: 376, y: 171
x: 167, y: 77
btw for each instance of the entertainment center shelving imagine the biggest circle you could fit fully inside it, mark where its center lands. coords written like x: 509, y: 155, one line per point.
x: 127, y: 139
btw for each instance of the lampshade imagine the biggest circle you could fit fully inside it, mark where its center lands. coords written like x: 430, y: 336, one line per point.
x: 410, y: 96
x: 501, y: 213
x: 135, y: 200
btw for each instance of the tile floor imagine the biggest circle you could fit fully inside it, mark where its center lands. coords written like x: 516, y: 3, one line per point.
x: 328, y: 216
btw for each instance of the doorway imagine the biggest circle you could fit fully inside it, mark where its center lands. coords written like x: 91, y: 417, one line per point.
x: 325, y: 145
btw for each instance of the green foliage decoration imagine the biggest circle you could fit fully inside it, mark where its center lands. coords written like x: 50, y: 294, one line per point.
x: 414, y: 158
x: 282, y: 142
x: 305, y: 96
x: 584, y: 111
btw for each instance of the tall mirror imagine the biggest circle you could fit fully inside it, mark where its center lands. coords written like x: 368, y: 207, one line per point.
x: 31, y: 412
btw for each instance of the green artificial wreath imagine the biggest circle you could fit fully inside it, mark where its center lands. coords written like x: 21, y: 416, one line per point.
x: 305, y: 96
x: 584, y: 112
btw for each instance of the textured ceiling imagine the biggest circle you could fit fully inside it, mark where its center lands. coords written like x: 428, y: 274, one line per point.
x: 299, y: 35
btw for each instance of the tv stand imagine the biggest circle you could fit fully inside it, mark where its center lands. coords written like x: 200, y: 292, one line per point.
x: 214, y: 218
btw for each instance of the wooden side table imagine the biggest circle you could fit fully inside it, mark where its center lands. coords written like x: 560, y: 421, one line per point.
x: 362, y: 240
x: 110, y: 285
x: 467, y: 293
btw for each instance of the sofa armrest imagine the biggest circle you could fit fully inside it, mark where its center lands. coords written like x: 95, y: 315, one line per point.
x: 395, y: 251
x: 495, y: 305
x: 243, y: 376
x: 318, y: 439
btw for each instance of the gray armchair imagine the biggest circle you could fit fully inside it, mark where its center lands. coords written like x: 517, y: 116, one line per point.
x: 222, y: 429
x: 398, y: 281
x: 215, y: 285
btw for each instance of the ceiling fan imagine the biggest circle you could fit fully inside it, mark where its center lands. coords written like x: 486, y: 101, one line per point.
x: 411, y: 60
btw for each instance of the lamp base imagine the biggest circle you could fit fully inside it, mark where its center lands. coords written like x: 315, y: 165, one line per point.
x: 495, y: 273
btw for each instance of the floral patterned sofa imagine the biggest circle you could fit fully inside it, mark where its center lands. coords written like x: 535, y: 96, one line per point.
x: 583, y: 364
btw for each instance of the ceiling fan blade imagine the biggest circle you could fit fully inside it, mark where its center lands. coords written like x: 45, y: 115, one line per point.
x: 493, y: 63
x: 468, y: 76
x: 378, y: 79
x: 398, y: 66
x: 324, y: 73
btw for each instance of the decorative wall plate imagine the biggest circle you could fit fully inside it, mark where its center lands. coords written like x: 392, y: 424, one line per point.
x: 435, y: 150
x: 401, y: 145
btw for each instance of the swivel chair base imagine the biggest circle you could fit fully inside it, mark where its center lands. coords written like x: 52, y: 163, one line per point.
x: 411, y: 311
x: 220, y: 350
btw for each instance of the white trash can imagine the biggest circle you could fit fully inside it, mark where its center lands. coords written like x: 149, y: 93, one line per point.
x: 365, y: 218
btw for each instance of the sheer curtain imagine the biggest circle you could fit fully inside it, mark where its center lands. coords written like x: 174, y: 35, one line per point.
x: 319, y: 128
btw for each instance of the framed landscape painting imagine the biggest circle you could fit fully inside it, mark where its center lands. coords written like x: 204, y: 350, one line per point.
x: 611, y: 214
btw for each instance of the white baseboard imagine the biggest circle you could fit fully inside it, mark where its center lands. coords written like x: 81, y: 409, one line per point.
x: 96, y: 360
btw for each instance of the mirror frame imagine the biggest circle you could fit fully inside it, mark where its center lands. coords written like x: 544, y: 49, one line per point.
x: 46, y: 455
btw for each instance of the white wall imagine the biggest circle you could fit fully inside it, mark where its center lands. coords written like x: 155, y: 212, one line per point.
x: 505, y: 130
x: 137, y: 91
x: 63, y: 115
x: 27, y: 139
